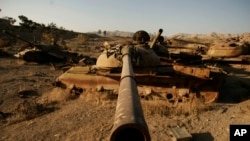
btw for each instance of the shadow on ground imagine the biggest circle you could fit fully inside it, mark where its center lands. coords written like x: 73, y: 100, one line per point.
x: 202, y: 137
x: 235, y: 90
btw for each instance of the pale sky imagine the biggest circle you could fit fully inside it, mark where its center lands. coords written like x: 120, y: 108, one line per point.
x: 173, y: 16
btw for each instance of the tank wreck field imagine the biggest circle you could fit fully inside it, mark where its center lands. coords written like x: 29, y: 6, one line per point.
x: 65, y: 85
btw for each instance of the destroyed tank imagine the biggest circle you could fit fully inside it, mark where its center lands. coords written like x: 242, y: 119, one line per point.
x: 220, y: 51
x: 230, y: 50
x: 43, y: 53
x: 155, y: 79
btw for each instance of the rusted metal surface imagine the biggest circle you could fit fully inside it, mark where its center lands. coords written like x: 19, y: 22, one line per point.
x: 80, y: 77
x: 231, y: 47
x: 224, y: 51
x: 203, y: 73
x: 129, y: 121
x: 169, y: 85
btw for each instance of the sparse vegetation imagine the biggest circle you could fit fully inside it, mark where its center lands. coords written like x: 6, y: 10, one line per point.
x: 48, y: 37
x: 81, y: 38
x: 10, y: 19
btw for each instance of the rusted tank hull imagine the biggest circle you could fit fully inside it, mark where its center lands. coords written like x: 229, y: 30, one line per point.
x: 80, y: 77
x: 172, y: 87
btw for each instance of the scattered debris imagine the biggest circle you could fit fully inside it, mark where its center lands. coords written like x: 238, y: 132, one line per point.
x: 180, y: 134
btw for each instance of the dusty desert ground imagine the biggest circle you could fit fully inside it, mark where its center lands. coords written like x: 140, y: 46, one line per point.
x: 31, y: 108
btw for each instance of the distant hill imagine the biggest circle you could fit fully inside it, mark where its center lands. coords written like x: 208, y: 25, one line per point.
x: 39, y: 34
x: 211, y: 36
x: 116, y: 33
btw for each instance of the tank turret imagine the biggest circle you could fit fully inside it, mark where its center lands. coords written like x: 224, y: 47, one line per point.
x: 141, y: 37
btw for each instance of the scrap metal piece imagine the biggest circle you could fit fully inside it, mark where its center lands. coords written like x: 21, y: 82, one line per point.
x: 180, y: 134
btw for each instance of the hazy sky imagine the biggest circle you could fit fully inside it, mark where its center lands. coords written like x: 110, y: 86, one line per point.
x: 174, y: 16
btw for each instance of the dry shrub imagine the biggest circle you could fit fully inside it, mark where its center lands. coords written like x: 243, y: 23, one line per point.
x: 102, y: 97
x: 25, y: 110
x: 18, y: 61
x: 60, y: 95
x: 73, y: 46
x: 31, y: 73
x: 156, y: 107
x: 192, y: 107
x: 164, y: 108
x: 55, y: 95
x: 81, y: 38
x: 48, y: 36
x: 77, y: 42
x: 29, y: 109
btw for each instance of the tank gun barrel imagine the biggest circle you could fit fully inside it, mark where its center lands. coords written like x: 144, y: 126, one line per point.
x: 156, y: 38
x: 13, y: 35
x: 129, y: 123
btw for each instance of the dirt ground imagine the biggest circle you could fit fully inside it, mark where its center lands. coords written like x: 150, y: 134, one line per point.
x: 31, y: 108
